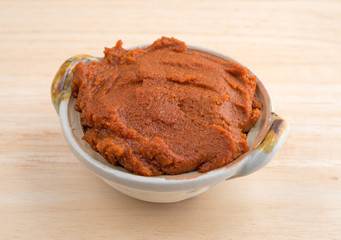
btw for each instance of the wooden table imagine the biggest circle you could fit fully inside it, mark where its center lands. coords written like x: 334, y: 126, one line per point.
x: 294, y: 47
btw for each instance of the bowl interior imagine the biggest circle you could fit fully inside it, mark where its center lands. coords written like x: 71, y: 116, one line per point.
x: 254, y: 137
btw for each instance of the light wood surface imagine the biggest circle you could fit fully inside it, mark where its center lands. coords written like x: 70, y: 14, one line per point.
x: 295, y: 49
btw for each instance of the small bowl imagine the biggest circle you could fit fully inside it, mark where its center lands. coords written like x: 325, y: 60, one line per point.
x: 264, y: 140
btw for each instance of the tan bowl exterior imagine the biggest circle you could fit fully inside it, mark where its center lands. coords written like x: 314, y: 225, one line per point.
x: 264, y: 140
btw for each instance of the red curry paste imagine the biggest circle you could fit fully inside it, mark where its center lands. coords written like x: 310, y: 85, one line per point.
x: 164, y: 110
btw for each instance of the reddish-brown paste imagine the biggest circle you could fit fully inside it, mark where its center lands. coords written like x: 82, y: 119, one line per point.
x: 164, y: 110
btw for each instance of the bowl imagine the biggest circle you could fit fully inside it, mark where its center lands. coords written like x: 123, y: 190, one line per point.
x: 264, y: 140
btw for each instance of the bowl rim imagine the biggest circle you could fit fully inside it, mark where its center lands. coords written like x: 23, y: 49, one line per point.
x: 173, y: 182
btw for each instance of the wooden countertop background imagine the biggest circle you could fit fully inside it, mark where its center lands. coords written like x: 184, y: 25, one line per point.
x: 294, y: 47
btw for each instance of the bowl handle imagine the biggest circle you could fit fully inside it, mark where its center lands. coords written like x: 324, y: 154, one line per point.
x: 61, y: 85
x: 267, y: 149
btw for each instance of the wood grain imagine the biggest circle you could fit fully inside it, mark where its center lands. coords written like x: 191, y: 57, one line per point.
x: 294, y: 48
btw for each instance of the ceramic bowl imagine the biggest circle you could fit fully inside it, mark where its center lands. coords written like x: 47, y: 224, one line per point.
x: 264, y: 140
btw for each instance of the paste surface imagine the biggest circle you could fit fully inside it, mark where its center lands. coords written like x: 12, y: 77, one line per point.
x: 164, y: 110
